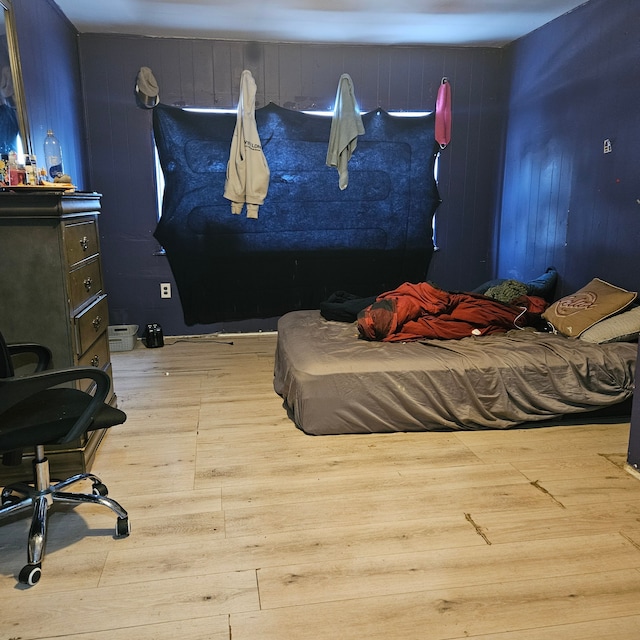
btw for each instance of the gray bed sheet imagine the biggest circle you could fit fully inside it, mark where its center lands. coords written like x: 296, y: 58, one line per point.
x: 334, y: 383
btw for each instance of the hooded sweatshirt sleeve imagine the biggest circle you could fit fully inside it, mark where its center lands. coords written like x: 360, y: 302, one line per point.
x: 247, y: 169
x: 346, y: 126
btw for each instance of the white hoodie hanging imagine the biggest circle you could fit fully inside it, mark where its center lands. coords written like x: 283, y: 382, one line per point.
x: 247, y: 170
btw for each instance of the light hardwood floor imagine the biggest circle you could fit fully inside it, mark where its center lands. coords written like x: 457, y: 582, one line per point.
x: 244, y: 528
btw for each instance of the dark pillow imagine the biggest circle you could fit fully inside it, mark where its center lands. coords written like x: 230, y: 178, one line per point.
x: 485, y: 286
x: 343, y: 306
x: 543, y: 286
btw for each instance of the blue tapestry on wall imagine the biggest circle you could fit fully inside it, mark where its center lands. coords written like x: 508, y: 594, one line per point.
x: 311, y: 239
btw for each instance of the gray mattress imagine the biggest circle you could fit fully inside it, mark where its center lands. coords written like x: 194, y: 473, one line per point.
x: 334, y: 383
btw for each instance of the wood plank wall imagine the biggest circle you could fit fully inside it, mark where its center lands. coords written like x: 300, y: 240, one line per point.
x: 565, y: 202
x: 206, y: 73
x: 50, y: 63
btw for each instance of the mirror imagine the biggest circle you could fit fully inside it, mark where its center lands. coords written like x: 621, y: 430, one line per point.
x: 13, y: 115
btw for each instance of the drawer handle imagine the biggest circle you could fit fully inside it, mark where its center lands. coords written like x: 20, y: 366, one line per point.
x: 88, y: 283
x: 95, y: 361
x: 84, y: 243
x: 97, y: 321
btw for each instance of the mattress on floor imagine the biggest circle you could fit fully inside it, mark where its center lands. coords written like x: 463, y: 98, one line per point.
x: 332, y: 382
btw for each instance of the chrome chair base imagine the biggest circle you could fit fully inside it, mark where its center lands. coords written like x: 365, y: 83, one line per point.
x: 40, y: 495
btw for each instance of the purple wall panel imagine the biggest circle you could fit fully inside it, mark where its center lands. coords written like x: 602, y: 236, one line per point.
x: 469, y: 171
x: 566, y: 87
x: 564, y: 201
x: 203, y: 77
x: 51, y: 74
x: 206, y: 73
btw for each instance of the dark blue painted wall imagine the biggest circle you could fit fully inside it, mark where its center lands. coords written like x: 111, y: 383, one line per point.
x: 574, y: 83
x: 565, y: 88
x: 88, y: 99
x: 566, y: 203
x: 50, y: 63
x: 206, y: 73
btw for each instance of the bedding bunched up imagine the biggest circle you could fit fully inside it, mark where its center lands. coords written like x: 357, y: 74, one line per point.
x: 419, y: 311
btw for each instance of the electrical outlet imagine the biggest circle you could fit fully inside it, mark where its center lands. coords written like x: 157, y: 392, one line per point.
x: 165, y: 289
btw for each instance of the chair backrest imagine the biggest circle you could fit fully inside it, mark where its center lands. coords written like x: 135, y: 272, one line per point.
x: 6, y: 366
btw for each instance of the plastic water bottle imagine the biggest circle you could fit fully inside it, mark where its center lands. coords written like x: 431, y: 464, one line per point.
x: 52, y: 156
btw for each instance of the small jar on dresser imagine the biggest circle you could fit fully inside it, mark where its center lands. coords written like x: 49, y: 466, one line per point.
x: 52, y: 292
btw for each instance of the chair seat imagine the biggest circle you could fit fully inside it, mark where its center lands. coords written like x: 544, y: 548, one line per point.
x: 37, y: 410
x: 48, y: 416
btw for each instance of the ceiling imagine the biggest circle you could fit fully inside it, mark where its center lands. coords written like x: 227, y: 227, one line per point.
x: 436, y: 22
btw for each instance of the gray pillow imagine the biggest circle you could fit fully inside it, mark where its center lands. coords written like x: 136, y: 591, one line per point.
x: 623, y: 327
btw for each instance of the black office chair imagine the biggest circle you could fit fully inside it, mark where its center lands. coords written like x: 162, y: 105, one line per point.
x: 35, y: 411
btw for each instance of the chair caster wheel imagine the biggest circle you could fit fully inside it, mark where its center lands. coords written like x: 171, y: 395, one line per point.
x: 8, y: 500
x: 30, y: 574
x: 99, y: 489
x: 122, y: 528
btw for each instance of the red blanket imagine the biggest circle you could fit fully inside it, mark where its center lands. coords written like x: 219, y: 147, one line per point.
x: 417, y: 311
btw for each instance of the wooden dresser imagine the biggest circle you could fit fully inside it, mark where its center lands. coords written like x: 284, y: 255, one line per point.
x: 52, y: 292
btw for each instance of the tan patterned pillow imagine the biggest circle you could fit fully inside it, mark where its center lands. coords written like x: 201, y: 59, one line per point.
x: 575, y: 313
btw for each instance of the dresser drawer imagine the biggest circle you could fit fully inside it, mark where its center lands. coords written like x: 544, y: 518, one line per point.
x: 84, y: 283
x: 98, y: 353
x: 90, y: 324
x: 96, y: 356
x: 80, y: 240
x: 50, y: 246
